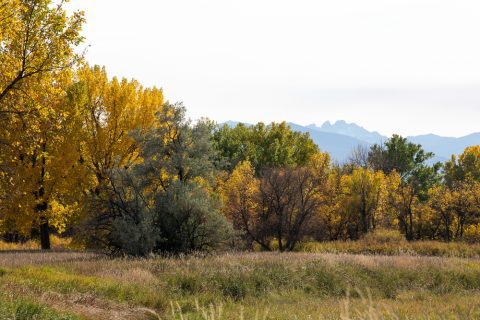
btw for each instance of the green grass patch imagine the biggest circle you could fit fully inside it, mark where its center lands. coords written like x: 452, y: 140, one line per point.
x: 16, y: 308
x: 59, y: 280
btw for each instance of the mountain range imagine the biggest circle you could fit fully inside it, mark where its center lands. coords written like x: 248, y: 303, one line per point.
x: 340, y: 138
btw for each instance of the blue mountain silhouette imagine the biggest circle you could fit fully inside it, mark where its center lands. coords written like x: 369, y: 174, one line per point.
x: 341, y: 137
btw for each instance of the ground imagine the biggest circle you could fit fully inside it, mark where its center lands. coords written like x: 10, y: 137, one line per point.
x: 81, y: 285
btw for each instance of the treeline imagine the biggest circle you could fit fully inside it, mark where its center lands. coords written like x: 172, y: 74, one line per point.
x: 287, y: 198
x: 115, y: 166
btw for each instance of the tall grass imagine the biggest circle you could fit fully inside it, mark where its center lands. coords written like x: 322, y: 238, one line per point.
x: 253, y: 285
x: 17, y: 308
x: 388, y: 242
x: 56, y: 242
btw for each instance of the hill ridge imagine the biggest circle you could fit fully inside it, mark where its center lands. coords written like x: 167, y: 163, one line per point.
x: 341, y: 137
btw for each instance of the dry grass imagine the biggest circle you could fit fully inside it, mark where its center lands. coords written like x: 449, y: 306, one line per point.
x: 248, y: 285
x: 18, y: 258
x: 393, y: 244
x: 56, y: 242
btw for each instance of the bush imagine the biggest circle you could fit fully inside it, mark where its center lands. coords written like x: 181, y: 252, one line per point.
x: 384, y: 236
x: 472, y: 233
x: 188, y: 219
x: 136, y: 237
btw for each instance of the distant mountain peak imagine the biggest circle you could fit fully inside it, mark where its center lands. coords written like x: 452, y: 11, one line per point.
x: 351, y: 130
x: 340, y: 138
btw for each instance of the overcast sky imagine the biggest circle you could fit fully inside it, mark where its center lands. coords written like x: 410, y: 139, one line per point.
x: 403, y: 66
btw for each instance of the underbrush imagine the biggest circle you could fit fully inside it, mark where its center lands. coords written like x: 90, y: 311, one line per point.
x: 56, y: 242
x: 392, y: 243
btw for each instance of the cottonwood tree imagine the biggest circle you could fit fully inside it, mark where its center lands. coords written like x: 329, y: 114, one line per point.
x: 466, y: 205
x: 37, y: 54
x: 464, y: 167
x: 265, y: 146
x: 335, y: 220
x: 241, y: 204
x: 112, y: 110
x: 440, y: 200
x: 397, y: 154
x: 409, y: 161
x: 456, y: 208
x: 279, y: 204
x: 38, y: 39
x: 365, y: 192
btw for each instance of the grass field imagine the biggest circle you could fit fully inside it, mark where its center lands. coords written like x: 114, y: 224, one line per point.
x: 69, y: 285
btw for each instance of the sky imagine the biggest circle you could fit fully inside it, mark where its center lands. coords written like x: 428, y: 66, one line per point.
x: 394, y: 66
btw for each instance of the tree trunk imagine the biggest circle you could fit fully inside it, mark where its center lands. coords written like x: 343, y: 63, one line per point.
x: 43, y: 206
x: 44, y: 234
x: 410, y: 232
x: 280, y: 243
x: 364, y: 221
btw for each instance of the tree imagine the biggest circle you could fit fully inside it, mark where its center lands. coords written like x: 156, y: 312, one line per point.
x: 272, y: 146
x: 466, y: 166
x: 46, y: 175
x: 335, y: 220
x: 397, y: 154
x: 179, y: 169
x: 440, y: 200
x: 189, y: 219
x: 365, y: 191
x: 404, y: 203
x: 112, y: 111
x: 465, y: 202
x: 360, y: 157
x: 40, y: 41
x: 235, y: 145
x: 167, y: 197
x: 37, y: 54
x: 240, y: 202
x: 457, y: 208
x: 279, y: 204
x: 409, y: 161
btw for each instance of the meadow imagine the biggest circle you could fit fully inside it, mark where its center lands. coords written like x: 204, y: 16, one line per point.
x: 301, y: 285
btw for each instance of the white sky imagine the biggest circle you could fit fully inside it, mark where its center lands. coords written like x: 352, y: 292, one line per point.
x: 404, y: 66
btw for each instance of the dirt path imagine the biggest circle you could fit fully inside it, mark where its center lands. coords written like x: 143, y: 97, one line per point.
x: 90, y: 307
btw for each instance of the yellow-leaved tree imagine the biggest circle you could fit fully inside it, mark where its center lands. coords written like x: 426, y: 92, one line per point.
x: 464, y: 167
x: 113, y: 113
x: 37, y: 51
x: 365, y: 190
x: 240, y: 200
x: 280, y: 205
